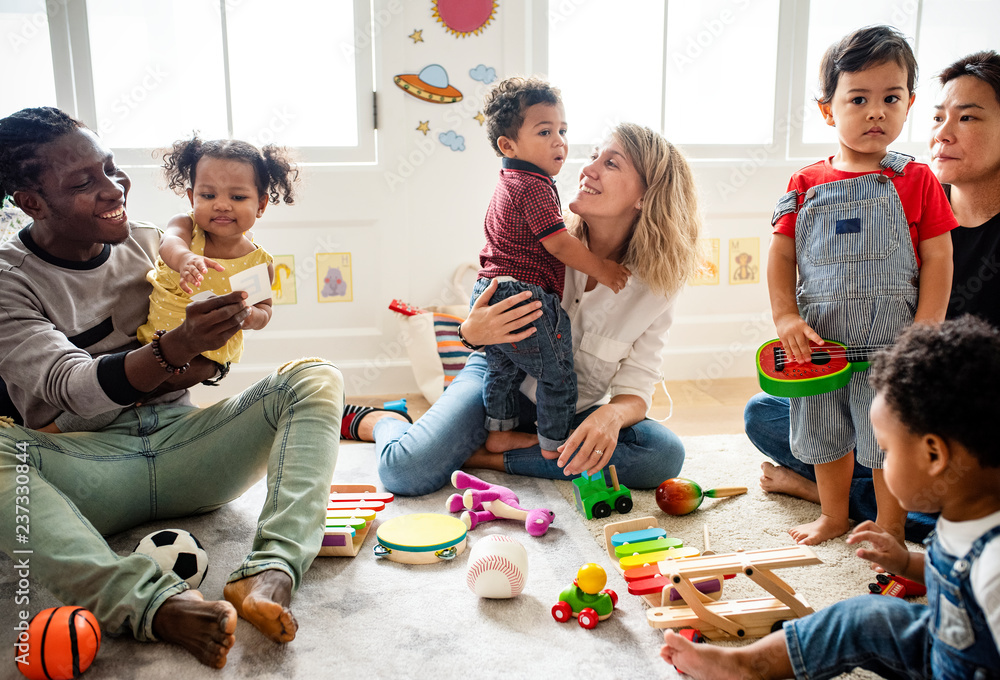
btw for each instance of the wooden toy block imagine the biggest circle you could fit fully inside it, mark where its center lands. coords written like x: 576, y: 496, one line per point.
x: 349, y: 516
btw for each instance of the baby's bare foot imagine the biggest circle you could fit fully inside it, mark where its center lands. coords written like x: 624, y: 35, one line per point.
x: 700, y: 660
x: 509, y: 440
x: 204, y: 628
x: 263, y: 599
x: 819, y: 530
x: 775, y: 479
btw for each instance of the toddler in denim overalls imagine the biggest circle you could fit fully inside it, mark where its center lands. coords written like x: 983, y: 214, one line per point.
x: 934, y: 415
x: 866, y: 233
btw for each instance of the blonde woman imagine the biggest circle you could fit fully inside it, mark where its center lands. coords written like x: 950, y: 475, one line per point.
x: 636, y: 204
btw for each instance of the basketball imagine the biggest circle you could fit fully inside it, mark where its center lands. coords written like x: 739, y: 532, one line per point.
x: 59, y: 644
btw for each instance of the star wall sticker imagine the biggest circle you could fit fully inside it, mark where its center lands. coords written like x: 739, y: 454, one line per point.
x: 417, y: 36
x: 424, y: 127
x: 479, y: 117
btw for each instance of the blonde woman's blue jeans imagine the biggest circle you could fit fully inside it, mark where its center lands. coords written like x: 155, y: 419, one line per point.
x: 161, y: 462
x: 418, y: 459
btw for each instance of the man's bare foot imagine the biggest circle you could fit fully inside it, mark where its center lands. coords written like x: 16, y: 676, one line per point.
x: 509, y: 440
x: 823, y: 528
x: 263, y: 599
x: 776, y: 479
x: 701, y: 660
x: 204, y: 628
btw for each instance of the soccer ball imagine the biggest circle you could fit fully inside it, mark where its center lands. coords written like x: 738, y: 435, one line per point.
x: 178, y: 551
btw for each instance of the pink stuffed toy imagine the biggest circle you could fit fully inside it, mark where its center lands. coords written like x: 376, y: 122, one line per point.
x: 484, y: 502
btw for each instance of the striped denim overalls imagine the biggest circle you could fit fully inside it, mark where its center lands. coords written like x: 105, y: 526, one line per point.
x: 962, y: 645
x: 857, y: 284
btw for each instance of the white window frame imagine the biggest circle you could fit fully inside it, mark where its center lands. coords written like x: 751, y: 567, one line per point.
x: 69, y: 36
x: 799, y: 149
x: 789, y: 92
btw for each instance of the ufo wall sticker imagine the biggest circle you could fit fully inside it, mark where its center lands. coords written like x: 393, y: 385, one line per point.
x: 430, y: 85
x: 464, y: 17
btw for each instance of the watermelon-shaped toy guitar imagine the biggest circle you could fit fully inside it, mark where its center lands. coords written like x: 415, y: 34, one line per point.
x: 829, y: 369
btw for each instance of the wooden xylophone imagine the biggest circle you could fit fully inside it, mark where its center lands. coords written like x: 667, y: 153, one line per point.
x: 349, y: 515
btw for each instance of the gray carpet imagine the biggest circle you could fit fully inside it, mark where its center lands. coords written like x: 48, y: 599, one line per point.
x: 362, y: 617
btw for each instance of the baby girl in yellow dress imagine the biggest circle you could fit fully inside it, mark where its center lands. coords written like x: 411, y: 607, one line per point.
x: 229, y: 184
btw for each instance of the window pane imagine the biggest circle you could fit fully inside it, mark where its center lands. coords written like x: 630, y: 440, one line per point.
x: 721, y: 63
x: 949, y: 30
x: 150, y: 86
x: 25, y: 30
x: 831, y: 21
x: 306, y: 97
x: 607, y: 58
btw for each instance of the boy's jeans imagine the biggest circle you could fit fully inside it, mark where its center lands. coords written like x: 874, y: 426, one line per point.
x: 547, y: 356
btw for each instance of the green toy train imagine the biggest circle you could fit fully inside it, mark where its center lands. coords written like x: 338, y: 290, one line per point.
x: 594, y: 498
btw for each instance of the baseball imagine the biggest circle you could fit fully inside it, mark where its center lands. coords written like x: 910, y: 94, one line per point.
x: 498, y: 567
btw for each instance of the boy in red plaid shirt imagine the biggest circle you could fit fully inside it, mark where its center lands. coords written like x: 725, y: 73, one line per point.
x: 528, y: 248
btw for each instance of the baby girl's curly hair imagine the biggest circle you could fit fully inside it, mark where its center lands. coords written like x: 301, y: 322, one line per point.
x: 274, y: 172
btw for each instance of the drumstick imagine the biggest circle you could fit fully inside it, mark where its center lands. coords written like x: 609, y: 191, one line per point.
x: 708, y: 550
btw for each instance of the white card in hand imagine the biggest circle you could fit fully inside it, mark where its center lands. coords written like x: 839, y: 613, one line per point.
x: 255, y: 281
x: 203, y: 295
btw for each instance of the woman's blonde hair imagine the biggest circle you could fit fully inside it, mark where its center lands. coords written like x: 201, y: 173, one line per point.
x: 662, y: 249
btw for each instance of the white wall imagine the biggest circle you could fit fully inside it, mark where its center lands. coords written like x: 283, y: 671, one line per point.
x: 410, y: 219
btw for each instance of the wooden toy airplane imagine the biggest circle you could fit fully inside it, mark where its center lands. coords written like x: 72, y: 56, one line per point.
x: 734, y: 619
x: 349, y: 516
x: 716, y: 620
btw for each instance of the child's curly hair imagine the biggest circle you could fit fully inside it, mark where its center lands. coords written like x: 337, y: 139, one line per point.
x: 945, y: 380
x: 506, y: 103
x: 274, y: 171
